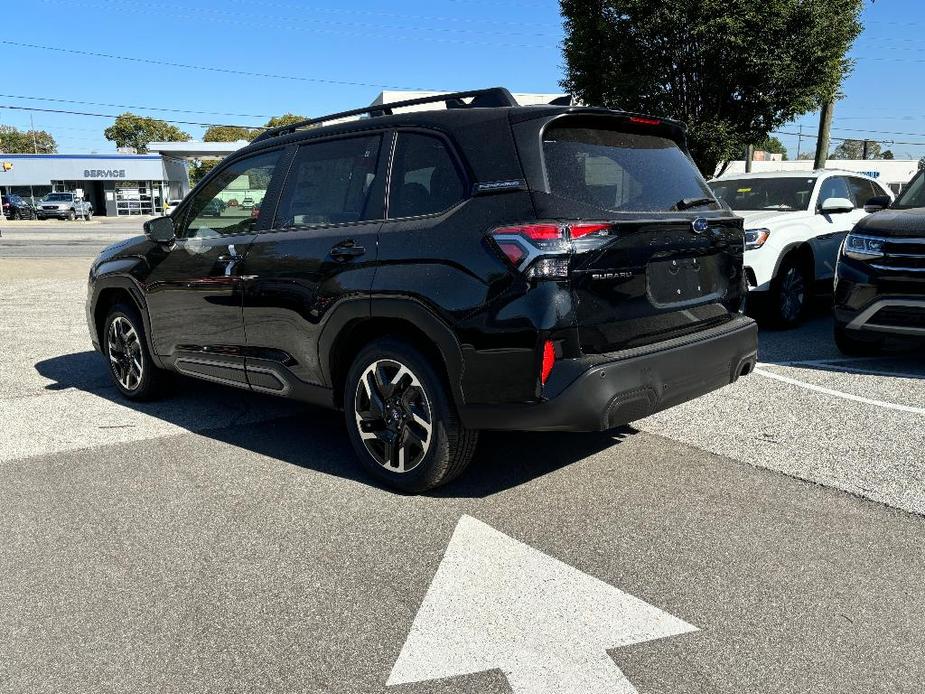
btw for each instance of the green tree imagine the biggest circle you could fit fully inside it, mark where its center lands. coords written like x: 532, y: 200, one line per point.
x: 854, y: 149
x: 773, y: 146
x: 733, y: 70
x: 228, y: 133
x: 199, y: 168
x: 888, y: 154
x: 285, y: 119
x: 16, y: 141
x: 130, y: 130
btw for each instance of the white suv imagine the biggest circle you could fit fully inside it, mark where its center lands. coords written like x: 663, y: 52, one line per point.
x: 794, y: 226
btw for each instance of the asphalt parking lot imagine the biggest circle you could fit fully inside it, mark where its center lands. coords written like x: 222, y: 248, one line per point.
x: 771, y: 534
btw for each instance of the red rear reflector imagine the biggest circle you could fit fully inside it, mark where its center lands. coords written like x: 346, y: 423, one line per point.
x: 549, y: 358
x: 644, y: 121
x: 579, y: 230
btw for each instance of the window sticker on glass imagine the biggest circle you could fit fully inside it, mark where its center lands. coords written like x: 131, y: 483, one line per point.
x: 744, y: 190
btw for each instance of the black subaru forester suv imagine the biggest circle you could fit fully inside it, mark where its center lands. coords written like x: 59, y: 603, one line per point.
x: 479, y: 265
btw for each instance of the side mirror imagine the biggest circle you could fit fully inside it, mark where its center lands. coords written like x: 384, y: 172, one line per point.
x: 161, y: 230
x: 836, y: 206
x: 881, y: 202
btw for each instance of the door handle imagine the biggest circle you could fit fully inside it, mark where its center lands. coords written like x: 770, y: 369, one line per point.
x: 346, y: 251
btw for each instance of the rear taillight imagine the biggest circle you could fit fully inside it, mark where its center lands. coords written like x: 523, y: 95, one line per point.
x: 543, y: 250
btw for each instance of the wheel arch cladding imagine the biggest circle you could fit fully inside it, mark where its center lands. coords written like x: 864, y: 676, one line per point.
x: 359, y: 333
x: 803, y: 254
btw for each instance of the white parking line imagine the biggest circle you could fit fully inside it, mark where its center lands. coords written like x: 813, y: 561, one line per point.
x: 838, y: 393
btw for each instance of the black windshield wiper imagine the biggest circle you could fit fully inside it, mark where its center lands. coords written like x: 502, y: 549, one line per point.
x: 688, y: 203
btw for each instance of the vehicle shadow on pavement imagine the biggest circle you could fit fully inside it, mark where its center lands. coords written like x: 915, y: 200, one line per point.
x: 315, y: 438
x: 812, y: 346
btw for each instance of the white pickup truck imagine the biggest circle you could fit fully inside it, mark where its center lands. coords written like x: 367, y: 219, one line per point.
x: 794, y: 225
x: 63, y: 206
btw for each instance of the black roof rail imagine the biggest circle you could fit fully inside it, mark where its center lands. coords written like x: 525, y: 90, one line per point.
x: 481, y: 98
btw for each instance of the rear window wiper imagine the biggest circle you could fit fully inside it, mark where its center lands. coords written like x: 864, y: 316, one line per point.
x: 687, y: 203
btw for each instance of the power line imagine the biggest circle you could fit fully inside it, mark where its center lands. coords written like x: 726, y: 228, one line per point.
x: 846, y: 139
x: 207, y: 68
x: 146, y: 108
x: 110, y: 115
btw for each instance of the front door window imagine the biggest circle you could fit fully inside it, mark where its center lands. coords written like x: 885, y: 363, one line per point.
x: 230, y: 203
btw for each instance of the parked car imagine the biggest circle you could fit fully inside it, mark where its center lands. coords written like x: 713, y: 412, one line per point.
x: 214, y: 208
x: 880, y: 277
x: 63, y: 206
x: 794, y: 225
x: 247, y: 203
x: 519, y: 268
x: 16, y: 207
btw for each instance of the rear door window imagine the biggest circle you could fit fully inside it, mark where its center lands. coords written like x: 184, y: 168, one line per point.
x: 862, y: 190
x: 425, y: 179
x: 621, y: 171
x: 330, y: 183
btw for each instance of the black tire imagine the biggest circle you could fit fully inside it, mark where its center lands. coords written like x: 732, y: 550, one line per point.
x: 130, y: 354
x: 395, y: 427
x: 71, y: 215
x: 790, y: 295
x: 853, y: 343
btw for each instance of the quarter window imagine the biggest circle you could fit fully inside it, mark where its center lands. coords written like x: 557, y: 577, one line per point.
x: 230, y: 202
x: 330, y: 183
x: 425, y: 179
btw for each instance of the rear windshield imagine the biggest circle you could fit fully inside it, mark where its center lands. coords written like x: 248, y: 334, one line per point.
x: 786, y: 193
x: 622, y: 172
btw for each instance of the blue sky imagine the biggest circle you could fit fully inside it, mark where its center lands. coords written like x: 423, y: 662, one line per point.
x: 441, y: 44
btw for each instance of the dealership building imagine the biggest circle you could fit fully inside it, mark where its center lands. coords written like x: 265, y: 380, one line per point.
x: 116, y: 184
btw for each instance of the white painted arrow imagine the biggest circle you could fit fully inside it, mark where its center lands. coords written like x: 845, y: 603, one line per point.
x: 498, y: 603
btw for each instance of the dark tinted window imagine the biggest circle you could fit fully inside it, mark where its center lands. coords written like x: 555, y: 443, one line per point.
x: 217, y: 210
x: 621, y: 171
x: 834, y: 187
x: 863, y: 190
x: 913, y: 194
x: 785, y: 193
x: 330, y: 183
x: 424, y: 178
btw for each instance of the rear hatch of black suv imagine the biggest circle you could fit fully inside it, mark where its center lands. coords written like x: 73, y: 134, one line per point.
x: 653, y: 256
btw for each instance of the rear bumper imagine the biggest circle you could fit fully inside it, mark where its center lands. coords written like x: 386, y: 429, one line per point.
x: 613, y: 389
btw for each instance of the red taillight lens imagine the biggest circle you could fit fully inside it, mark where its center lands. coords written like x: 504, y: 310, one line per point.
x: 639, y: 120
x: 576, y: 231
x: 543, y: 248
x: 549, y: 359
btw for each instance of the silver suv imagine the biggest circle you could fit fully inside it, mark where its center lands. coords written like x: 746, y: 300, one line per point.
x: 63, y: 206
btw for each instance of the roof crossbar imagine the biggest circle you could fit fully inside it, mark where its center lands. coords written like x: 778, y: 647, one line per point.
x: 481, y: 98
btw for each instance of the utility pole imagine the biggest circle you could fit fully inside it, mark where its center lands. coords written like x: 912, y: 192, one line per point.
x: 749, y: 154
x: 864, y: 151
x: 825, y: 128
x: 35, y: 146
x: 799, y: 141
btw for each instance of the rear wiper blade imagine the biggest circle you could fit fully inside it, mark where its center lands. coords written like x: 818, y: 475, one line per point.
x: 688, y: 203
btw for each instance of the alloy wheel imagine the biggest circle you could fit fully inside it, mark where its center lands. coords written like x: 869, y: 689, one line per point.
x: 792, y: 294
x: 393, y: 415
x: 125, y: 355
